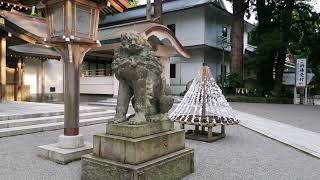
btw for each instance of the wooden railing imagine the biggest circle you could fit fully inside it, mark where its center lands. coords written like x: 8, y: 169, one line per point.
x: 96, y: 73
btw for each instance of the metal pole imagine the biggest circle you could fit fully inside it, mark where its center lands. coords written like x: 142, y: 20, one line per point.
x: 295, y: 95
x: 222, y: 70
x: 306, y: 95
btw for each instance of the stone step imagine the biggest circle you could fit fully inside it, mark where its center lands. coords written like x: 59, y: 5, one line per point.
x: 107, y: 104
x: 47, y: 114
x: 5, y: 132
x: 51, y: 119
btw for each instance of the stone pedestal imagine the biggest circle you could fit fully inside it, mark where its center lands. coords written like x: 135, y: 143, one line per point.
x: 153, y: 151
x: 68, y: 149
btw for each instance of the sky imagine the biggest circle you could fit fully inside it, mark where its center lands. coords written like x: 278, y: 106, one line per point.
x: 315, y: 3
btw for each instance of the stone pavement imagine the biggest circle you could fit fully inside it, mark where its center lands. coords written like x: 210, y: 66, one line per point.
x: 243, y: 154
x: 301, y: 139
x: 28, y: 109
x: 300, y: 116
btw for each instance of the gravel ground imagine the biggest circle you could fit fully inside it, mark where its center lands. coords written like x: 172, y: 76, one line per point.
x: 301, y: 116
x: 243, y: 154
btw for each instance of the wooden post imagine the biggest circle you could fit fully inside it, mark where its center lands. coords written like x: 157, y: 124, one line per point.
x: 3, y: 69
x: 72, y: 56
x: 19, y: 81
x: 148, y: 10
x: 158, y: 10
x: 223, y: 131
x: 209, y: 131
x: 204, y: 95
x: 42, y: 80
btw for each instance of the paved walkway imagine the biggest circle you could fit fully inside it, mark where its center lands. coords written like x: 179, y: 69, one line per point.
x: 242, y: 155
x: 301, y: 139
x: 17, y: 109
x: 300, y: 116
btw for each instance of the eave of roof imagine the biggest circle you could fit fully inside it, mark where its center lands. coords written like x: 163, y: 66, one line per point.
x: 139, y: 12
x: 111, y: 35
x: 34, y: 50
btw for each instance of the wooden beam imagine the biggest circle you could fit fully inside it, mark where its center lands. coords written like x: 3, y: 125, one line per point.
x: 42, y: 80
x: 115, y: 5
x: 3, y: 69
x: 158, y: 10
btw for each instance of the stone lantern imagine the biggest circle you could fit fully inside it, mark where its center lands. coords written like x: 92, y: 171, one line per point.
x: 73, y: 21
x: 72, y: 31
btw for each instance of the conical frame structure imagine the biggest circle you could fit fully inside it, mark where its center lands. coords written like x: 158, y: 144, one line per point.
x: 204, y: 104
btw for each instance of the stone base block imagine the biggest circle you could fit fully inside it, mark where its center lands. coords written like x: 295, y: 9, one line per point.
x: 137, y: 150
x: 70, y: 142
x: 63, y: 156
x: 203, y: 136
x: 173, y: 166
x: 136, y: 131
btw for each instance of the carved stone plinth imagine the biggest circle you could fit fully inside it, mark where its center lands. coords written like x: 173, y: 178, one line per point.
x: 152, y: 151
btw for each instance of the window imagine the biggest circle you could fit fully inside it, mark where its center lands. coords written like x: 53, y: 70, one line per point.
x: 172, y: 70
x: 52, y: 89
x: 224, y: 31
x: 172, y: 27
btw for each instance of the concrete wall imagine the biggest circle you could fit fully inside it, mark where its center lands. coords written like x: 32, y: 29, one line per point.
x: 53, y: 78
x: 213, y: 57
x: 186, y: 70
x: 190, y: 25
x: 97, y: 85
x: 215, y: 21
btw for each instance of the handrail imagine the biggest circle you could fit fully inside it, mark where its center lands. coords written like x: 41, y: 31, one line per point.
x: 96, y: 73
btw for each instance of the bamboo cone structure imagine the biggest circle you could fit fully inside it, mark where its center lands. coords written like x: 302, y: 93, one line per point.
x: 204, y: 106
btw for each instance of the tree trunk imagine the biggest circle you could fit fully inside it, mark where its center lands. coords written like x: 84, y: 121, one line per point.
x: 158, y: 10
x: 279, y: 68
x: 239, y: 7
x: 285, y: 27
x: 148, y: 10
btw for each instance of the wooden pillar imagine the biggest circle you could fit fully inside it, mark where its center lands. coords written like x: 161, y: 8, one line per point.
x: 19, y: 81
x: 148, y: 10
x: 165, y: 62
x: 42, y: 80
x: 158, y: 10
x: 72, y: 57
x: 3, y: 69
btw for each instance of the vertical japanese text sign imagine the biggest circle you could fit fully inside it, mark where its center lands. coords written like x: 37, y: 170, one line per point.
x: 301, y: 72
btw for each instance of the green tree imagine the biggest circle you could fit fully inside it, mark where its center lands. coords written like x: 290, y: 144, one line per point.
x: 133, y: 3
x: 284, y: 26
x: 240, y: 8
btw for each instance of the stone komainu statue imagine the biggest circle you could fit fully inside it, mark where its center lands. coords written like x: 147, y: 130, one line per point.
x: 139, y: 75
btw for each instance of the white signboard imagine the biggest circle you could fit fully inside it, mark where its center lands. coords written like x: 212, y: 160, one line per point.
x: 301, y: 72
x: 289, y: 78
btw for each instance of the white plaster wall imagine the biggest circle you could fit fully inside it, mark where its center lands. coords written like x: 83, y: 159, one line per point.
x: 215, y: 21
x: 97, y: 85
x: 186, y: 70
x: 32, y: 75
x: 190, y: 25
x: 53, y: 75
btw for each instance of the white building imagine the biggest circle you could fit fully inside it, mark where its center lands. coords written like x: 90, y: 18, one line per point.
x: 202, y: 27
x: 199, y: 25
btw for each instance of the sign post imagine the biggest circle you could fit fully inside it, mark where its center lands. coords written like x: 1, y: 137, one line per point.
x: 301, y: 78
